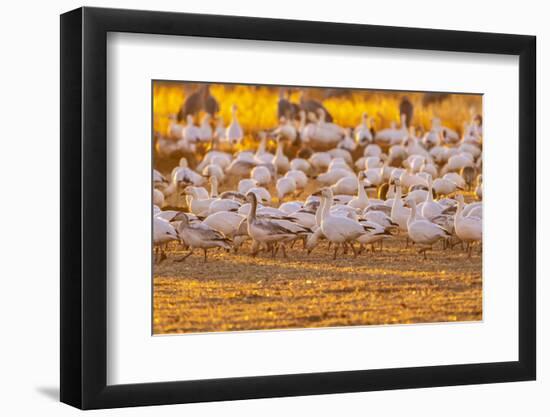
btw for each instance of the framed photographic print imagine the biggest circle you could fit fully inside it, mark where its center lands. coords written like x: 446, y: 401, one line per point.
x: 257, y: 208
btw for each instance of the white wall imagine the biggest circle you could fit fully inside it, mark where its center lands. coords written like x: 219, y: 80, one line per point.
x: 29, y: 105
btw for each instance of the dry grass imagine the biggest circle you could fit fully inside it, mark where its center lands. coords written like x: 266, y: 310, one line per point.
x: 238, y: 292
x: 258, y: 106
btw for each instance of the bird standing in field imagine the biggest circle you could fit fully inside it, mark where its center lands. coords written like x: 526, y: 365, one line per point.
x: 200, y: 100
x: 199, y: 236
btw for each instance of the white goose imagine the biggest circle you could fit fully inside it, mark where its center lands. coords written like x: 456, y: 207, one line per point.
x: 363, y: 135
x: 261, y: 175
x: 393, y: 134
x: 226, y: 222
x: 163, y: 232
x: 361, y: 200
x: 423, y: 232
x: 299, y: 177
x: 198, y: 205
x: 468, y: 228
x: 285, y: 186
x: 205, y: 130
x: 430, y: 208
x: 280, y: 161
x: 270, y: 232
x: 246, y: 184
x: 262, y: 156
x: 399, y: 213
x: 234, y: 132
x: 339, y: 229
x: 199, y: 236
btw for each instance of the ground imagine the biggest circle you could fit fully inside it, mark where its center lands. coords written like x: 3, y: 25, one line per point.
x: 239, y: 292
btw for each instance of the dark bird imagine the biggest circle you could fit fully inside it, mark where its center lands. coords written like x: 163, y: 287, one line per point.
x: 200, y: 100
x: 406, y: 108
x: 431, y: 98
x: 312, y: 106
x: 285, y: 107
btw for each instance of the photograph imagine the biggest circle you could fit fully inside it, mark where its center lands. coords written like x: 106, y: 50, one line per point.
x: 291, y: 207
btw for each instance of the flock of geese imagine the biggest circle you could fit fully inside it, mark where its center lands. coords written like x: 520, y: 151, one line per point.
x: 359, y: 187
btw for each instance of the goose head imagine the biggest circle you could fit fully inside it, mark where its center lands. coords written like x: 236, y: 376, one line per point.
x: 252, y: 198
x: 181, y: 217
x: 189, y: 190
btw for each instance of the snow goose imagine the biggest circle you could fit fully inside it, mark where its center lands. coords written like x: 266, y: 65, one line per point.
x: 280, y: 161
x: 299, y: 177
x: 198, y: 205
x: 234, y: 132
x: 214, y: 171
x: 261, y: 194
x: 246, y: 184
x: 332, y: 176
x: 200, y: 236
x: 381, y: 218
x: 285, y: 186
x: 158, y: 197
x: 205, y: 130
x: 430, y: 208
x: 443, y: 187
x: 262, y: 156
x: 468, y: 228
x: 456, y: 178
x: 326, y: 134
x: 261, y: 175
x: 320, y: 160
x: 286, y: 130
x: 346, y: 186
x: 423, y: 232
x: 226, y: 222
x: 399, y: 213
x: 393, y: 135
x: 191, y: 133
x: 300, y: 164
x: 291, y: 206
x: 479, y: 187
x: 363, y: 134
x: 269, y: 231
x: 347, y: 143
x: 158, y: 179
x: 339, y: 230
x: 163, y: 232
x: 361, y: 200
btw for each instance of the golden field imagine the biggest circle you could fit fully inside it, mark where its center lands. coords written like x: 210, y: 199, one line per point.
x: 235, y: 291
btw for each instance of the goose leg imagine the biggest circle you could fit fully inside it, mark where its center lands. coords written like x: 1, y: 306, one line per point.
x: 255, y: 248
x: 205, y: 255
x: 335, y: 250
x: 183, y: 258
x: 354, y: 250
x: 407, y: 243
x: 361, y: 248
x: 283, y: 248
x: 372, y: 248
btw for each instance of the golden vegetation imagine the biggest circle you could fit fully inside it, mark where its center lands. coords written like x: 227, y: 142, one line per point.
x: 258, y: 106
x: 238, y: 292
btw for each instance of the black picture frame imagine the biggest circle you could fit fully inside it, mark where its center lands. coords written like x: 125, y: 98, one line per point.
x: 84, y: 207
